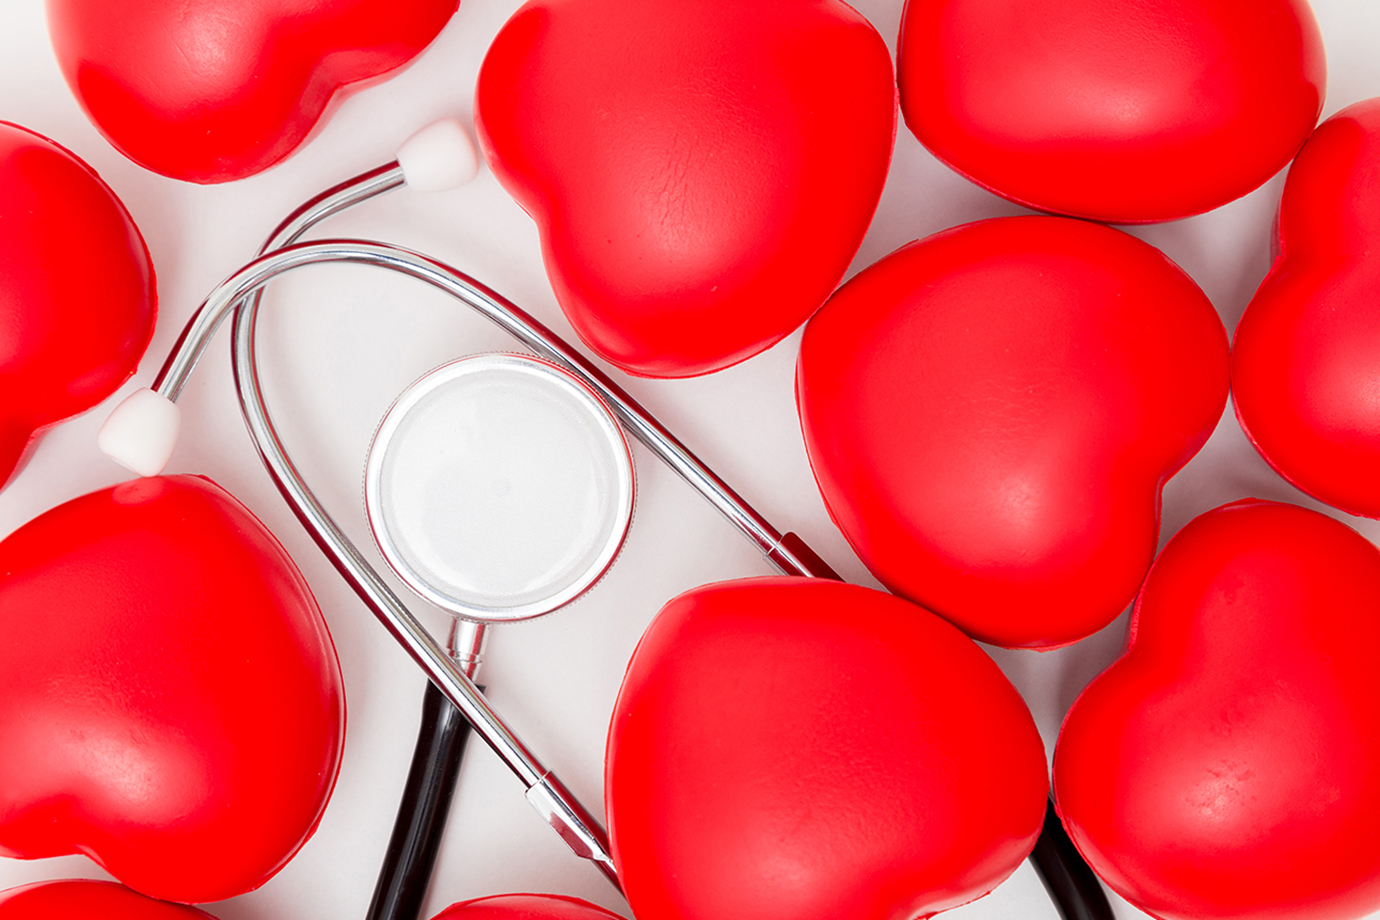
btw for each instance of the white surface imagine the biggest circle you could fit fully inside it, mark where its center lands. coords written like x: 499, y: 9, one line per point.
x: 339, y: 344
x: 141, y: 433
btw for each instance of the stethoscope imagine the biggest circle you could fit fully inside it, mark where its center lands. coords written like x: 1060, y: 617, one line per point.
x: 142, y: 431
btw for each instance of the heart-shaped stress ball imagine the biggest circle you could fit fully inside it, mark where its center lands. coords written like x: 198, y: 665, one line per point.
x: 85, y: 900
x: 1225, y: 766
x: 801, y: 749
x: 77, y: 301
x: 1119, y: 110
x: 1306, y: 361
x: 523, y: 907
x: 701, y: 172
x: 170, y: 700
x: 992, y: 412
x: 215, y: 90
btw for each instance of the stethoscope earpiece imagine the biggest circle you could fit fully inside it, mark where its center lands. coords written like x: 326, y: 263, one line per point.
x: 141, y: 432
x: 439, y: 157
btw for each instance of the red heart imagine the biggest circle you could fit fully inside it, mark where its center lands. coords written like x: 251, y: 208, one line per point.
x: 1123, y: 110
x: 701, y: 173
x: 523, y: 907
x: 215, y: 90
x: 170, y: 700
x: 1225, y: 766
x: 77, y: 301
x: 83, y: 900
x: 1306, y: 362
x: 991, y: 414
x: 793, y: 749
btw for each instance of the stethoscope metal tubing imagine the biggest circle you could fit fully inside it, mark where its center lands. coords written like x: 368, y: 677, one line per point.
x: 790, y: 555
x: 183, y: 359
x: 556, y: 804
x: 581, y: 831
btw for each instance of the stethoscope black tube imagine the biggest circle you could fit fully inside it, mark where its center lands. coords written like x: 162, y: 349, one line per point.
x: 1069, y: 881
x: 410, y: 858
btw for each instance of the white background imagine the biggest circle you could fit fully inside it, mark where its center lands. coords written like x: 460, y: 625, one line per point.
x: 340, y: 343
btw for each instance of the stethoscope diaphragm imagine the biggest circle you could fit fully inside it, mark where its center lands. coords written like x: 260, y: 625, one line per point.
x: 499, y: 487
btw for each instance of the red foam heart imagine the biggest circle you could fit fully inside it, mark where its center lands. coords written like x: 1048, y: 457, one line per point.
x: 1225, y: 766
x: 77, y: 302
x: 795, y: 749
x: 1122, y: 110
x: 523, y: 907
x: 170, y: 700
x: 83, y: 900
x: 1306, y: 361
x: 701, y: 173
x: 991, y: 414
x: 215, y: 90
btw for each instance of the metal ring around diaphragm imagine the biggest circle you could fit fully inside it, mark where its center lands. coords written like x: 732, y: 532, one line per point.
x: 499, y: 487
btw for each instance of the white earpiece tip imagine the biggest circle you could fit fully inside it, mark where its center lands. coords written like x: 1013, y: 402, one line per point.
x: 140, y: 434
x: 440, y: 156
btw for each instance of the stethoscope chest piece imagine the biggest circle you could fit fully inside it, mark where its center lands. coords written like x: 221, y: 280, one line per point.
x: 499, y: 487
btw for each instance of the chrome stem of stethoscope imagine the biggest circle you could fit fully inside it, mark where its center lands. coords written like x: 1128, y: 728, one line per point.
x: 466, y: 644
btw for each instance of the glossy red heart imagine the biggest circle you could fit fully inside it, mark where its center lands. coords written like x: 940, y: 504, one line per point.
x: 799, y: 749
x: 170, y: 700
x: 84, y: 900
x: 215, y: 90
x: 1306, y: 361
x: 77, y: 301
x: 992, y: 412
x: 1225, y: 766
x: 701, y: 173
x: 1120, y: 110
x: 523, y: 907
